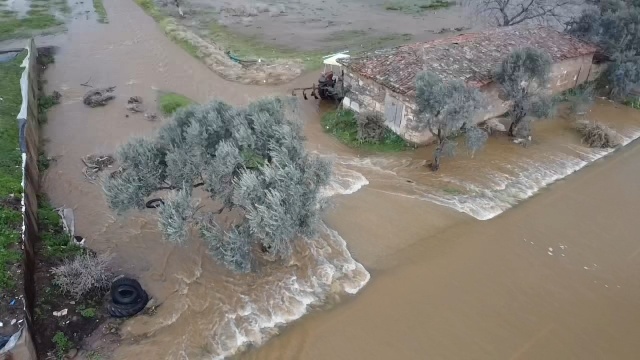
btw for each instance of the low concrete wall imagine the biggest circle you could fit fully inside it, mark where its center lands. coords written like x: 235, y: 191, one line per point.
x: 367, y: 95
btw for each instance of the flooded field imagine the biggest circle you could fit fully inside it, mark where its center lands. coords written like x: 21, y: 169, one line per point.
x: 313, y: 25
x: 550, y: 278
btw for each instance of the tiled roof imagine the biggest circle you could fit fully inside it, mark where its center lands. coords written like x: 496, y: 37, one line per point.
x: 469, y: 57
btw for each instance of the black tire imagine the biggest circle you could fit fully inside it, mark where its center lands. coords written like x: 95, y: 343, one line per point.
x: 125, y: 291
x: 122, y: 311
x: 154, y: 203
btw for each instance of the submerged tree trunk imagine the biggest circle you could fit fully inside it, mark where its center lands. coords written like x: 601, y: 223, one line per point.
x: 435, y: 165
x: 517, y: 114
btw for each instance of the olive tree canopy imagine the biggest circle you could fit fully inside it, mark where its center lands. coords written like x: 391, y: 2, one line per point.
x: 523, y: 77
x: 263, y: 185
x: 447, y: 109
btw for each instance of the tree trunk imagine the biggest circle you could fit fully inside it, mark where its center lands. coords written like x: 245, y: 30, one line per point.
x: 512, y: 129
x: 435, y: 165
x: 518, y: 114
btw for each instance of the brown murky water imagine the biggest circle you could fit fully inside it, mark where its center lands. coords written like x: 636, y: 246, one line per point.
x: 552, y: 278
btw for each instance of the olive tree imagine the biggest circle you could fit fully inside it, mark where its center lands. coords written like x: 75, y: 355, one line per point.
x: 241, y: 176
x: 523, y: 77
x: 447, y: 109
x: 614, y: 25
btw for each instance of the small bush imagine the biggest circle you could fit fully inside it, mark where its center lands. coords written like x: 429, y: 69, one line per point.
x: 62, y: 342
x: 170, y: 102
x: 83, y: 274
x: 371, y: 127
x: 46, y: 102
x: 344, y: 126
x: 88, y: 313
x: 597, y: 135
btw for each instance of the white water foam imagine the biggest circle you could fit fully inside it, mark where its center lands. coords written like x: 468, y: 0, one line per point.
x: 532, y: 176
x: 500, y: 191
x: 277, y: 298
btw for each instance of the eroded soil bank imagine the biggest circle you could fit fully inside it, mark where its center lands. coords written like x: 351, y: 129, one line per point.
x: 537, y: 281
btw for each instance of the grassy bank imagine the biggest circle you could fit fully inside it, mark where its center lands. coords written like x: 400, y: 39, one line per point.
x: 10, y: 178
x: 98, y: 6
x: 57, y: 335
x: 245, y: 47
x: 417, y: 6
x: 170, y: 102
x: 38, y: 19
x: 343, y: 125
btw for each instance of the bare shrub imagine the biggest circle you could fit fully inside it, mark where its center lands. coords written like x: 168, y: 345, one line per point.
x: 83, y: 274
x: 597, y: 135
x: 371, y: 127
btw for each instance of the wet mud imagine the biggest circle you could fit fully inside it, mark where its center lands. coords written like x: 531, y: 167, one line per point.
x: 550, y: 277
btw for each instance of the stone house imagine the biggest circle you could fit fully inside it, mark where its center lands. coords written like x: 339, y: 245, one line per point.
x: 383, y: 80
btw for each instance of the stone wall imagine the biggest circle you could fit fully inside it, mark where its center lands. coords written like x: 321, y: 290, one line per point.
x: 367, y: 95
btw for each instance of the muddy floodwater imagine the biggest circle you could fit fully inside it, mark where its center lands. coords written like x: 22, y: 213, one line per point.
x: 487, y: 259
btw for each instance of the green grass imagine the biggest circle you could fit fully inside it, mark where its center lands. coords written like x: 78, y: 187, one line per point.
x: 150, y: 8
x: 14, y: 27
x: 10, y: 168
x: 46, y: 102
x: 415, y: 7
x: 56, y: 243
x: 170, y: 102
x: 437, y: 4
x: 361, y: 41
x: 634, y: 103
x: 453, y: 191
x: 98, y: 6
x: 252, y: 47
x: 88, y: 313
x: 342, y: 124
x: 10, y: 158
x: 37, y: 20
x: 63, y: 344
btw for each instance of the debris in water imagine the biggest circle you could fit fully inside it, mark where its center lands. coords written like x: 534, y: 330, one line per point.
x: 134, y: 104
x: 98, y: 97
x: 596, y: 135
x: 95, y: 164
x: 549, y: 252
x: 151, y: 116
x: 13, y: 321
x: 68, y: 220
x: 56, y: 96
x: 550, y: 249
x: 62, y: 312
x: 79, y: 240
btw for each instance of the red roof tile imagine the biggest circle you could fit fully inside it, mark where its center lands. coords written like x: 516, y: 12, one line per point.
x: 469, y: 57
